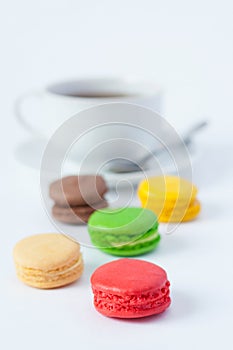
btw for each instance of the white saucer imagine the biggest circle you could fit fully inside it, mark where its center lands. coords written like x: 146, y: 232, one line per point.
x: 30, y: 152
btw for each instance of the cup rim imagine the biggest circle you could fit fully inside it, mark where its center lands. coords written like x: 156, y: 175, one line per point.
x: 126, y: 88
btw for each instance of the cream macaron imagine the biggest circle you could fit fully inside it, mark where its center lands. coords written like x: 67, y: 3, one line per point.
x: 48, y: 260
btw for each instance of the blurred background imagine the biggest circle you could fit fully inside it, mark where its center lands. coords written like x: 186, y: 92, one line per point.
x: 184, y: 47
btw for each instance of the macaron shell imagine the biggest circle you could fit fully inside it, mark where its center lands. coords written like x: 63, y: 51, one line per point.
x: 149, y: 202
x: 130, y: 221
x: 46, y: 251
x: 167, y: 188
x: 129, y: 276
x: 78, y: 190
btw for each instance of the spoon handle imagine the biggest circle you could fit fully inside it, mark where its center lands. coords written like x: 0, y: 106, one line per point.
x: 186, y: 139
x: 194, y: 129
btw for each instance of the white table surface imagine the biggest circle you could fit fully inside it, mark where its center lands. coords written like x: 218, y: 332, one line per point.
x: 187, y: 47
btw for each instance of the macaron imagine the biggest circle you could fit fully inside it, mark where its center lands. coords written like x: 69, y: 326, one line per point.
x: 129, y: 231
x: 48, y: 260
x: 173, y: 199
x: 130, y: 288
x: 76, y: 215
x: 78, y: 190
x: 76, y: 197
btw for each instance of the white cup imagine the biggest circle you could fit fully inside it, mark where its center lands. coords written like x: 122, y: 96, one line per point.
x: 42, y: 112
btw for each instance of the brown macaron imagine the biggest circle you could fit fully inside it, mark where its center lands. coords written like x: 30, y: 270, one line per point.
x: 76, y: 215
x: 78, y: 190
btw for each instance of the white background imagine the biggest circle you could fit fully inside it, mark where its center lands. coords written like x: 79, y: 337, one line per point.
x: 187, y: 48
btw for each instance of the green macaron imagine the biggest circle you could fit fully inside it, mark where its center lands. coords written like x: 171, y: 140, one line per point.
x: 125, y: 232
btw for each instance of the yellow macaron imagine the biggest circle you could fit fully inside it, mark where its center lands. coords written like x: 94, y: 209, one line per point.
x: 48, y: 260
x: 172, y: 198
x: 182, y: 214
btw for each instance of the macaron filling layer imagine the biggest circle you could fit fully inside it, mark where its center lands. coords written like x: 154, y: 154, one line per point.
x: 127, y: 231
x: 37, y: 275
x: 132, y: 303
x: 113, y: 240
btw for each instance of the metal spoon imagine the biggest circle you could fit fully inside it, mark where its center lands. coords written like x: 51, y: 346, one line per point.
x: 121, y: 165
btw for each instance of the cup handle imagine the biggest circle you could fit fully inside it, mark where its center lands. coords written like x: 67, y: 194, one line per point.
x: 18, y: 110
